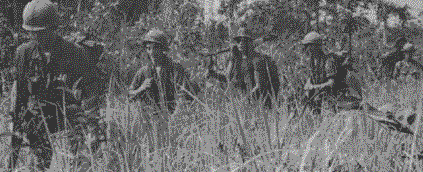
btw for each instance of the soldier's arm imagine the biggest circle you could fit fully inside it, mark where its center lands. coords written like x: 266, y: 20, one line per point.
x: 228, y: 69
x: 136, y: 86
x: 326, y: 84
x: 310, y: 86
x: 20, y: 92
x: 137, y: 91
x: 218, y: 76
x: 259, y: 59
x: 256, y: 77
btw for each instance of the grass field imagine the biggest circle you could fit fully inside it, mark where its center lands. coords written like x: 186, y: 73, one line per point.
x: 215, y: 134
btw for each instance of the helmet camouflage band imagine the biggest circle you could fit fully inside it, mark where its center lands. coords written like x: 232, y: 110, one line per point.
x: 312, y: 37
x: 242, y: 34
x: 39, y: 15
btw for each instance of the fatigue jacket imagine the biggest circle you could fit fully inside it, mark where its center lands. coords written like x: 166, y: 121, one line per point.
x: 71, y: 59
x: 267, y: 74
x: 387, y: 67
x: 162, y: 89
x: 182, y: 78
x: 166, y: 82
x: 318, y: 61
x: 242, y: 71
x: 345, y: 81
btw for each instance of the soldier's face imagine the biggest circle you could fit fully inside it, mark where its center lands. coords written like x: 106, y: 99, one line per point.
x: 310, y: 49
x: 151, y: 51
x: 243, y: 44
x: 154, y: 50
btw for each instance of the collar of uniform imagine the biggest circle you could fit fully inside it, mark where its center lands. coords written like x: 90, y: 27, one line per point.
x: 51, y: 45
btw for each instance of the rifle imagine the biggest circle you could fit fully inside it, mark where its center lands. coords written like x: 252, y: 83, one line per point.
x: 212, y: 62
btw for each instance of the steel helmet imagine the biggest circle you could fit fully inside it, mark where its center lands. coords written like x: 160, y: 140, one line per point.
x: 156, y: 36
x: 312, y: 37
x: 242, y: 34
x: 39, y: 15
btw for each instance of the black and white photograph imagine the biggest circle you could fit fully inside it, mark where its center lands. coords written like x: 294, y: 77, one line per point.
x: 211, y: 85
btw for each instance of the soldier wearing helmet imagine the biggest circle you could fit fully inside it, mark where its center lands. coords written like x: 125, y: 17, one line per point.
x: 158, y: 73
x: 39, y: 64
x: 313, y: 47
x: 344, y: 87
x: 389, y: 61
x: 241, y: 62
x: 156, y: 84
x: 250, y: 71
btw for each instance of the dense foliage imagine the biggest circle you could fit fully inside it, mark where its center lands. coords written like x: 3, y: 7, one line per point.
x: 120, y: 24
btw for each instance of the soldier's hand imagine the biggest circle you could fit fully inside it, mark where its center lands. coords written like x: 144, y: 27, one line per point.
x: 255, y: 88
x: 206, y: 74
x: 308, y: 85
x: 146, y: 84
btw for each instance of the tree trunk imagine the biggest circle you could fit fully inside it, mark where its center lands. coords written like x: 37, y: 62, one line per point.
x: 384, y: 32
x: 350, y: 45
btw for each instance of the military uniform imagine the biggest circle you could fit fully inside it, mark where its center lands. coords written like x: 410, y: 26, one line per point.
x: 46, y: 89
x: 178, y: 76
x: 312, y: 47
x: 313, y: 42
x: 7, y: 51
x: 242, y: 72
x: 346, y: 88
x: 182, y: 78
x: 162, y: 87
x: 268, y: 79
x: 37, y: 81
x: 388, y: 62
x: 166, y: 77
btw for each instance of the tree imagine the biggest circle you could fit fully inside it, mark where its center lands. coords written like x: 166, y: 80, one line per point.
x: 228, y: 7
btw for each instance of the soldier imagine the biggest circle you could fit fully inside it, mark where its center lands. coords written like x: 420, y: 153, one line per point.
x: 241, y: 68
x: 345, y: 88
x: 268, y: 84
x: 250, y: 72
x: 7, y: 49
x: 409, y: 51
x: 39, y: 65
x: 387, y: 67
x: 313, y: 48
x: 156, y: 84
x: 240, y: 65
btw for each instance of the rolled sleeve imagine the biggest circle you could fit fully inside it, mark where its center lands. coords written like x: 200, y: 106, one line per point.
x: 138, y: 78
